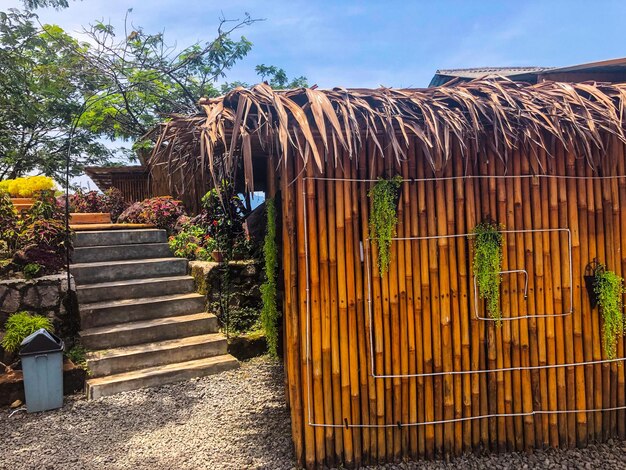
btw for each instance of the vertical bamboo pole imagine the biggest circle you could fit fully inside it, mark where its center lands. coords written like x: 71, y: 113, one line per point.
x: 324, y: 275
x: 309, y: 435
x: 427, y: 338
x: 342, y: 297
x: 462, y: 207
x: 505, y: 401
x: 609, y: 240
x: 485, y: 330
x: 525, y: 359
x: 334, y: 311
x: 315, y: 314
x: 555, y: 324
x: 513, y: 239
x: 497, y: 431
x: 602, y: 256
x: 621, y: 259
x: 540, y: 302
x: 379, y: 334
x: 597, y: 348
x: 444, y: 271
x: 548, y: 267
x: 353, y: 363
x: 367, y: 369
x: 391, y: 278
x: 472, y: 214
x: 409, y: 399
x: 359, y: 236
x: 290, y: 308
x: 580, y: 189
x: 567, y: 304
x: 436, y: 310
x: 414, y: 215
x: 455, y: 350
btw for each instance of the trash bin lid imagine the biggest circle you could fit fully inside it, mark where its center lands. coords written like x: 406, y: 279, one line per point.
x: 41, y: 342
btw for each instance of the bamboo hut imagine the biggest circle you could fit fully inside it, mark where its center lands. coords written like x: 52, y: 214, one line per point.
x: 407, y: 363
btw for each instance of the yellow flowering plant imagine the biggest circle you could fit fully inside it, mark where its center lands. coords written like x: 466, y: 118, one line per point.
x: 27, y: 186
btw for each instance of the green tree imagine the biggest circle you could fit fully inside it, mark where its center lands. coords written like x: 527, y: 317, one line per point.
x: 145, y: 79
x: 42, y: 84
x: 276, y: 77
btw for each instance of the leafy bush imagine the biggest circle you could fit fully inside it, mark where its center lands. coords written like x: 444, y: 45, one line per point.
x: 8, y: 222
x: 222, y: 215
x: 110, y: 201
x: 45, y: 207
x: 36, y: 242
x: 27, y: 186
x: 162, y: 212
x: 78, y: 355
x: 269, y: 313
x: 609, y: 287
x: 19, y: 326
x: 488, y: 264
x: 43, y: 242
x: 193, y: 243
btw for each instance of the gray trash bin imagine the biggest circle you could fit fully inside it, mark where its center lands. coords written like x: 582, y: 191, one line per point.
x: 42, y: 365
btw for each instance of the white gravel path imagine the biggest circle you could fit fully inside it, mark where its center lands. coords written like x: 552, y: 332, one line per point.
x: 234, y: 420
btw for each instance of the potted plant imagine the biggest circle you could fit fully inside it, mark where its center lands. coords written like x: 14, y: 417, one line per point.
x: 609, y: 290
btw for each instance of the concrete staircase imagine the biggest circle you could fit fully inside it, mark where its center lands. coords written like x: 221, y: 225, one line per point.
x: 140, y: 317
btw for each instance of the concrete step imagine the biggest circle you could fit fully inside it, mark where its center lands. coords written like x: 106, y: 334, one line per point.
x: 147, y: 331
x: 153, y: 376
x: 108, y: 271
x: 119, y: 237
x: 134, y: 288
x: 95, y: 254
x: 118, y: 360
x: 132, y: 310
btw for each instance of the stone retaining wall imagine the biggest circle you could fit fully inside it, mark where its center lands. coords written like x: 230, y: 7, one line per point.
x: 48, y: 296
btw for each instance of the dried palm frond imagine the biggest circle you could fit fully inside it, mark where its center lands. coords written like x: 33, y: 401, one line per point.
x: 495, y: 113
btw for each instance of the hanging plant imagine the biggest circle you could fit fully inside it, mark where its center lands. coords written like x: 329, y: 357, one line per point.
x: 609, y: 289
x: 269, y: 313
x: 488, y: 241
x: 383, y: 219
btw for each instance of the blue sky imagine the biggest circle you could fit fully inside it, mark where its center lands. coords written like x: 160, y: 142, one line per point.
x: 372, y: 43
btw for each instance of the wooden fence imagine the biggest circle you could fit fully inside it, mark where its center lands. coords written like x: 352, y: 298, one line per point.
x: 409, y: 364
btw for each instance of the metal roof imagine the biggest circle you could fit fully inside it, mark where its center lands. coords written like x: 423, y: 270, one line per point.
x: 526, y: 73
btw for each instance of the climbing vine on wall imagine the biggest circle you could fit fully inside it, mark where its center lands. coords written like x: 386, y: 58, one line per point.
x: 609, y: 288
x: 488, y: 241
x: 269, y: 313
x: 384, y: 218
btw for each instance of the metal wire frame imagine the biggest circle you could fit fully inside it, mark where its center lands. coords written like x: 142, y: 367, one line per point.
x: 347, y: 425
x: 508, y: 271
x: 462, y: 235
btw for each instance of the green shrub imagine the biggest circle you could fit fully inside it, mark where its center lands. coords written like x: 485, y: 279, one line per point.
x: 609, y: 287
x: 383, y: 219
x: 162, y: 212
x: 269, y: 313
x: 78, y: 355
x: 19, y: 326
x: 193, y: 243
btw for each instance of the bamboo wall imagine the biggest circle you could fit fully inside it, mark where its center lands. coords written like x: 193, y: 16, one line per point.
x: 419, y: 318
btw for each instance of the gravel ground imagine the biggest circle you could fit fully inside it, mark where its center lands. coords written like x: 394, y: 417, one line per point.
x: 234, y: 420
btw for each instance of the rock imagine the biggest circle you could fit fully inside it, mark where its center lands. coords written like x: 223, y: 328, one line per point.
x: 16, y: 404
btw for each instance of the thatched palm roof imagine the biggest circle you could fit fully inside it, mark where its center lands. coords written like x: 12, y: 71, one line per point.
x: 500, y: 114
